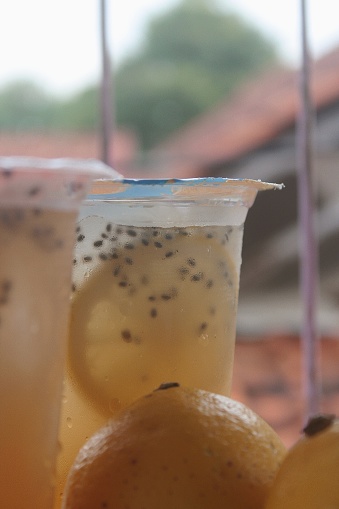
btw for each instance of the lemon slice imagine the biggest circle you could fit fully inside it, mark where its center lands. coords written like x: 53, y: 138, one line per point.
x: 160, y: 305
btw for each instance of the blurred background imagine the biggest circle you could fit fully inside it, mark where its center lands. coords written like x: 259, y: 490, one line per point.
x: 199, y: 88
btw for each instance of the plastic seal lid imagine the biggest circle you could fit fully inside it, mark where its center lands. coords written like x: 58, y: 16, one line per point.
x: 239, y: 191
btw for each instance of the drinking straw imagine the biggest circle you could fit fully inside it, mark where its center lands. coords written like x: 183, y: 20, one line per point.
x: 106, y: 96
x: 308, y: 244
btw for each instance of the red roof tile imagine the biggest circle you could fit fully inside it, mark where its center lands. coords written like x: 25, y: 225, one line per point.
x: 254, y: 115
x: 68, y: 144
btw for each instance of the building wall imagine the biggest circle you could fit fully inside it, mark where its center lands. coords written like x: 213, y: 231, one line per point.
x: 268, y: 378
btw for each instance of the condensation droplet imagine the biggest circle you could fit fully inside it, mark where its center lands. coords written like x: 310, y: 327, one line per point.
x: 203, y: 339
x: 69, y: 422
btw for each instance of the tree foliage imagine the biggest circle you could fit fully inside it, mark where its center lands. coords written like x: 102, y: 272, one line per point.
x: 192, y: 56
x: 25, y: 106
x: 80, y: 112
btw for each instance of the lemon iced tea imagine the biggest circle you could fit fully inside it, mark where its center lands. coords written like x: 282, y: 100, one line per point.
x: 35, y: 258
x: 38, y: 209
x: 155, y: 293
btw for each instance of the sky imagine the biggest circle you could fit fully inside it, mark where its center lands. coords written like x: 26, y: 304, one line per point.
x: 56, y: 43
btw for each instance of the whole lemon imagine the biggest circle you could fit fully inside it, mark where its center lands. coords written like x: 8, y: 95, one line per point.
x: 309, y: 475
x: 177, y: 448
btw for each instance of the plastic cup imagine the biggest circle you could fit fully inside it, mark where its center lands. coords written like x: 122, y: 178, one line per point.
x: 155, y: 295
x: 39, y: 201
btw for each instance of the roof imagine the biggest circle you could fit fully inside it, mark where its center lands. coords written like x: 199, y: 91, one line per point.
x: 68, y: 144
x: 256, y: 113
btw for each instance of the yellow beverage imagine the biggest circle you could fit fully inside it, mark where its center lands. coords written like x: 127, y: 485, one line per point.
x: 34, y: 289
x: 161, y: 306
x: 158, y: 305
x: 38, y: 209
x: 154, y: 300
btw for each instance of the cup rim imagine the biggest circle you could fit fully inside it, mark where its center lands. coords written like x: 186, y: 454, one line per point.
x: 92, y: 168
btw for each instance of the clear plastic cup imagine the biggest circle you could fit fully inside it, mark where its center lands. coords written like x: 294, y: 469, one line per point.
x: 39, y: 201
x: 155, y: 295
